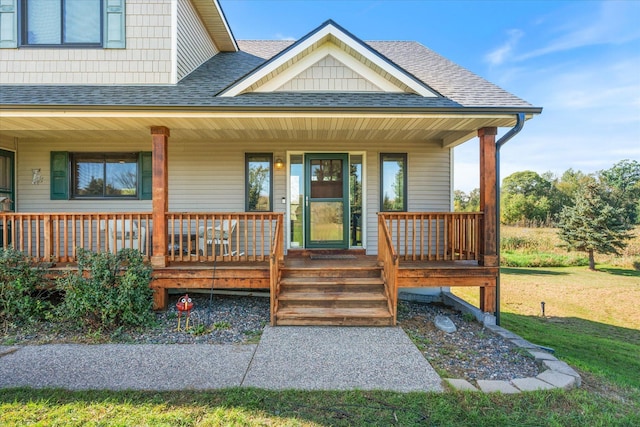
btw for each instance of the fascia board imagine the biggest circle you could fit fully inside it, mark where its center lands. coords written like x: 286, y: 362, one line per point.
x: 339, y: 54
x: 318, y: 36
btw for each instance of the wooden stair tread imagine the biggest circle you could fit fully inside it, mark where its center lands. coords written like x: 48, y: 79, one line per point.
x: 327, y: 312
x: 332, y: 296
x: 303, y: 281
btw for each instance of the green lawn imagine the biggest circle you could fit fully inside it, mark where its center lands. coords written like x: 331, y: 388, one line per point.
x: 592, y: 322
x: 242, y: 407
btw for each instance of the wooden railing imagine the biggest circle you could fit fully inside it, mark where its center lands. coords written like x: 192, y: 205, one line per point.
x: 388, y: 257
x: 222, y: 236
x: 55, y: 237
x: 276, y: 260
x: 435, y: 236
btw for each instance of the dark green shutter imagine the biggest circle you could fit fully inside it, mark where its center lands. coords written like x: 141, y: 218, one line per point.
x: 114, y: 24
x: 146, y: 175
x: 8, y: 23
x: 59, y: 175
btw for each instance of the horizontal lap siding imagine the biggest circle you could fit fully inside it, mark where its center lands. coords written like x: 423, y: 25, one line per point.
x: 36, y: 198
x: 428, y: 182
x: 194, y: 44
x: 209, y: 176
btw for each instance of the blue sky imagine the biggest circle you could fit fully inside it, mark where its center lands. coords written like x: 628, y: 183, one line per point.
x: 579, y: 60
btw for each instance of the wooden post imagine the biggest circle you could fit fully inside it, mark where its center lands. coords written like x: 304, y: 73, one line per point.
x: 488, y: 196
x: 160, y: 194
x: 488, y: 205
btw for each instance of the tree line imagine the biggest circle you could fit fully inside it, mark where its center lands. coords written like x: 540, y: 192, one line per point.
x: 593, y: 212
x: 529, y: 198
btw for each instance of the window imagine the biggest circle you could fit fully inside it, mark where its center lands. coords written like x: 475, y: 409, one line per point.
x: 101, y: 175
x: 258, y: 182
x: 393, y: 182
x: 62, y: 22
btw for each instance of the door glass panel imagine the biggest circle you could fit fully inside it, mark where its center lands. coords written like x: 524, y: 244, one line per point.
x: 326, y: 220
x: 355, y: 200
x: 326, y: 179
x: 296, y: 200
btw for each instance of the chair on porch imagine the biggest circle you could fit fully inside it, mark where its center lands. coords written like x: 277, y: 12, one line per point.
x: 126, y: 235
x: 219, y: 235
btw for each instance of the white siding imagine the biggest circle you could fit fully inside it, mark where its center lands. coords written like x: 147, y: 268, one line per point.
x: 209, y: 176
x: 194, y: 43
x: 36, y: 198
x: 146, y: 59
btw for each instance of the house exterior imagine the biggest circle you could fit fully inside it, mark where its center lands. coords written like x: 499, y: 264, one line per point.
x: 231, y: 164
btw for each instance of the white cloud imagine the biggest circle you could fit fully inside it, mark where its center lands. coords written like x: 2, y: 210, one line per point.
x: 614, y: 23
x: 500, y: 54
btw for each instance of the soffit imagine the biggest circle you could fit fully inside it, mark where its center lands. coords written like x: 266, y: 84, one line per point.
x: 444, y: 129
x: 216, y: 24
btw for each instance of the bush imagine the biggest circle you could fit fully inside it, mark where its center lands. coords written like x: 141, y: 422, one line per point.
x: 108, y: 290
x: 23, y: 292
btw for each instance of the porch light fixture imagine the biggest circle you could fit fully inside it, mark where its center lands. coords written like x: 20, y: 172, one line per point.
x: 36, y: 177
x: 279, y: 164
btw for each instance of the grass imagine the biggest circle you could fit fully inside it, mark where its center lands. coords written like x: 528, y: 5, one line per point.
x: 541, y: 247
x: 592, y: 321
x: 241, y: 407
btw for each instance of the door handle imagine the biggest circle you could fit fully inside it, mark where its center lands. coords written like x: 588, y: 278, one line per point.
x: 307, y: 201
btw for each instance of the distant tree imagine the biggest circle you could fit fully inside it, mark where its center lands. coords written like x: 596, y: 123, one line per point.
x: 623, y: 184
x: 593, y: 225
x: 527, y: 196
x: 463, y: 202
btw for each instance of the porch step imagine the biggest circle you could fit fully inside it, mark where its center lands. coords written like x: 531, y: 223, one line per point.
x: 306, y: 316
x: 341, y: 294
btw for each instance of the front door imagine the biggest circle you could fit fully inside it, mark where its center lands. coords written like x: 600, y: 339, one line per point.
x: 327, y: 200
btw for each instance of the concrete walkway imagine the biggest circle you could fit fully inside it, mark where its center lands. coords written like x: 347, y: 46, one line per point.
x: 304, y: 358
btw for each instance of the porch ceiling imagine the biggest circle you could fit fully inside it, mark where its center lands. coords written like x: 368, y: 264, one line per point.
x: 445, y: 129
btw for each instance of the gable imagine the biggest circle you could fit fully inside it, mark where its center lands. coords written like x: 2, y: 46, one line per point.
x: 329, y: 60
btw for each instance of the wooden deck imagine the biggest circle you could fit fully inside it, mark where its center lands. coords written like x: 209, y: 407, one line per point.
x: 324, y: 290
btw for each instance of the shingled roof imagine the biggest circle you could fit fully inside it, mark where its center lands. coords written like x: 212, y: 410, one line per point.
x: 460, y: 88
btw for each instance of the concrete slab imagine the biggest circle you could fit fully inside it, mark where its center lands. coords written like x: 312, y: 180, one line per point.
x: 492, y: 386
x: 121, y: 367
x: 558, y: 379
x: 339, y: 358
x: 531, y: 384
x: 460, y: 384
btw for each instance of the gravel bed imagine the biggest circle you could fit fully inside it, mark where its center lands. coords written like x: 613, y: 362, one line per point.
x: 472, y: 352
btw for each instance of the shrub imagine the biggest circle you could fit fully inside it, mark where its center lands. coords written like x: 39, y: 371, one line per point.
x: 24, y: 296
x: 109, y: 290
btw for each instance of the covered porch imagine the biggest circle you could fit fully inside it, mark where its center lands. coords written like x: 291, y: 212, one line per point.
x: 245, y: 251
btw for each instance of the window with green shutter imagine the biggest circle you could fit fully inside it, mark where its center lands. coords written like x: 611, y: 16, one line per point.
x: 68, y: 23
x: 101, y: 175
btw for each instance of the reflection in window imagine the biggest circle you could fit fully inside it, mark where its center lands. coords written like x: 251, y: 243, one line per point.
x: 259, y: 182
x: 393, y: 177
x: 104, y: 175
x: 355, y: 199
x: 62, y: 22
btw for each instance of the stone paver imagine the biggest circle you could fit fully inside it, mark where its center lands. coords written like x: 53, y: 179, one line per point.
x: 563, y: 368
x: 542, y: 355
x: 459, y: 384
x: 558, y: 379
x: 531, y: 384
x: 492, y: 386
